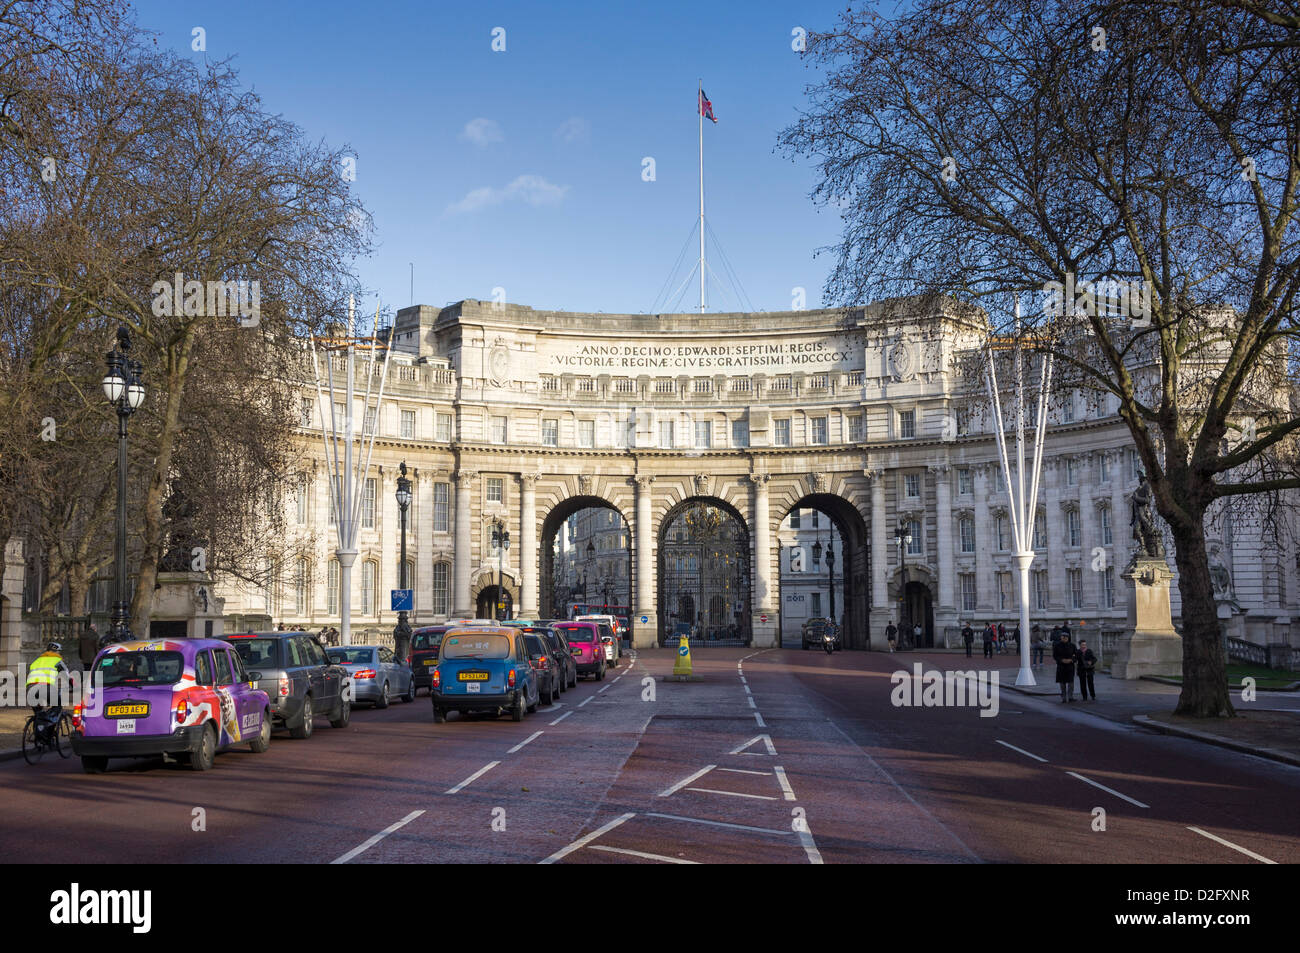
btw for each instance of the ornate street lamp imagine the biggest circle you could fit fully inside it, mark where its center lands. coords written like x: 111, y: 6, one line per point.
x: 501, y: 540
x: 586, y: 576
x: 830, y: 566
x: 125, y: 392
x: 402, y: 633
x: 903, y: 539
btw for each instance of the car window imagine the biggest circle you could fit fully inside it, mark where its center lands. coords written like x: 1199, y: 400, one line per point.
x: 241, y: 673
x: 427, y: 640
x: 386, y: 656
x: 131, y: 669
x: 465, y: 645
x: 535, y: 645
x: 605, y: 631
x: 203, y: 668
x: 224, y: 675
x: 351, y: 656
x: 317, y: 651
x: 258, y: 653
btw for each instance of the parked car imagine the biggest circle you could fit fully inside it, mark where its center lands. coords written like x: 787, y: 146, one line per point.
x: 186, y: 698
x: 814, y: 631
x: 483, y: 668
x: 425, y: 642
x: 377, y: 674
x: 562, y: 653
x: 293, y: 669
x: 613, y: 644
x: 543, y: 662
x: 584, y: 642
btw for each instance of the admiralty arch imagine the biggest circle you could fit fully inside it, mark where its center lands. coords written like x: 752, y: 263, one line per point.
x: 515, y: 417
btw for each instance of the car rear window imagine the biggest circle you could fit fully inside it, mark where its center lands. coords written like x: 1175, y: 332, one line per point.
x: 425, y: 641
x: 535, y: 645
x: 476, y: 646
x: 605, y: 631
x: 351, y: 656
x: 140, y: 668
x: 258, y: 653
x: 578, y: 633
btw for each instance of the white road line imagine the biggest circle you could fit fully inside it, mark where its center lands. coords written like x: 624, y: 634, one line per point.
x: 1228, y: 843
x: 808, y: 844
x: 639, y: 853
x: 1123, y: 797
x: 750, y: 699
x: 475, y: 776
x: 586, y: 839
x: 747, y: 691
x: 1027, y: 754
x: 784, y: 782
x: 734, y: 827
x: 532, y: 737
x: 606, y: 688
x: 759, y: 718
x: 685, y: 781
x: 745, y: 771
x: 766, y: 739
x: 561, y: 718
x: 615, y: 680
x: 585, y: 700
x: 756, y: 797
x: 371, y: 842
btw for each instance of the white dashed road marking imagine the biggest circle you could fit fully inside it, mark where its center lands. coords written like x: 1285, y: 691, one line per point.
x: 475, y: 776
x: 371, y: 842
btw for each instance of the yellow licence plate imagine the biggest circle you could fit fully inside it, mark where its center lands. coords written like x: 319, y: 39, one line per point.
x: 122, y: 710
x: 473, y: 676
x: 431, y: 661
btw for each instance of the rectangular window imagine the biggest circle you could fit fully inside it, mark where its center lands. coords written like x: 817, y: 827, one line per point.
x: 917, y: 546
x: 1040, y: 531
x: 1040, y: 589
x: 550, y: 432
x: 963, y: 422
x: 496, y: 489
x: 440, y: 589
x: 966, y: 530
x: 1076, y: 588
x: 441, y: 507
x: 368, y: 422
x: 1002, y: 535
x: 1071, y: 472
x: 1108, y: 584
x: 367, y: 588
x: 443, y: 428
x: 1106, y: 535
x: 816, y: 519
x: 967, y: 591
x: 781, y: 432
x: 740, y: 433
x: 1067, y: 409
x: 300, y: 590
x: 816, y: 605
x: 703, y: 434
x: 1103, y: 468
x: 1004, y: 590
x: 816, y: 555
x: 300, y: 494
x: 308, y: 405
x: 912, y: 485
x: 818, y: 425
x: 907, y: 424
x: 340, y: 418
x: 408, y: 424
x: 1073, y: 527
x: 368, y: 504
x: 796, y: 519
x: 586, y: 433
x: 965, y: 482
x: 499, y: 430
x: 666, y: 435
x: 857, y: 432
x: 1134, y: 464
x: 332, y: 588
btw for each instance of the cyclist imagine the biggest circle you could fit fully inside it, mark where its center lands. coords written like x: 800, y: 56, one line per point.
x: 44, y: 676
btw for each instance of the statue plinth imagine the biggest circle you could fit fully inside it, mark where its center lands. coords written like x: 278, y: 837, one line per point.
x: 1150, y: 645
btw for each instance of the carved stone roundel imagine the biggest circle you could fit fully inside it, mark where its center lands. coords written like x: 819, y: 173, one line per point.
x: 499, y: 364
x: 900, y: 361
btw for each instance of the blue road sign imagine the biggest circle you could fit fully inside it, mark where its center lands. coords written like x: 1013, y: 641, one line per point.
x: 403, y: 600
x: 645, y: 619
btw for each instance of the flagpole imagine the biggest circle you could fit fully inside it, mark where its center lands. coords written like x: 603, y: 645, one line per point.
x: 699, y: 108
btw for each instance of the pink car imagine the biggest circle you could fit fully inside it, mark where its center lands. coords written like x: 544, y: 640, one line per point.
x: 584, y: 642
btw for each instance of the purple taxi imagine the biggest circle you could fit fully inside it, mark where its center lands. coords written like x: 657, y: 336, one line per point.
x: 186, y: 698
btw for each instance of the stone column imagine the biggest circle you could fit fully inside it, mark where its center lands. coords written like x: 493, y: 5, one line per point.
x: 461, y: 605
x: 1088, y: 538
x: 1119, y: 528
x: 11, y: 625
x: 882, y: 609
x: 528, y: 588
x: 761, y: 600
x: 1058, y: 598
x: 985, y: 494
x: 645, y: 617
x: 943, y: 527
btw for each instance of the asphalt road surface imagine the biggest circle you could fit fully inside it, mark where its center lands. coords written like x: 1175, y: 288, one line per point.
x: 777, y: 756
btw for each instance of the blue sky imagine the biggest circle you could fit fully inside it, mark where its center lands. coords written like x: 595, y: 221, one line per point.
x: 522, y: 169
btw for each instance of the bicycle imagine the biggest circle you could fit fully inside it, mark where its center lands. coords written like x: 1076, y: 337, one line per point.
x: 48, y: 735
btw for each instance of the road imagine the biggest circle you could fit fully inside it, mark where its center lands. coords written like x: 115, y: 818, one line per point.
x: 777, y: 756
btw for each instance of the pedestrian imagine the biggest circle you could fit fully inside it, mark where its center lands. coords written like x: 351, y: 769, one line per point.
x: 989, y: 635
x: 1002, y: 638
x: 1063, y: 653
x: 916, y: 635
x: 1065, y: 627
x: 1086, y: 663
x: 967, y: 636
x: 1015, y: 637
x: 1036, y: 645
x: 891, y: 634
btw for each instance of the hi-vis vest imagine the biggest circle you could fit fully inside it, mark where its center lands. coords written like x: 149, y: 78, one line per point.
x: 45, y: 669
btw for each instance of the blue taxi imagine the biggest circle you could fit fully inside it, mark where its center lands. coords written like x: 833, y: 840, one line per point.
x: 483, y: 669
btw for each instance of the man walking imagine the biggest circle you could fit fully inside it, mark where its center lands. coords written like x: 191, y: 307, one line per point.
x: 989, y: 635
x: 1002, y: 638
x: 1036, y: 645
x: 891, y: 634
x: 1063, y: 653
x: 967, y: 636
x: 1086, y: 663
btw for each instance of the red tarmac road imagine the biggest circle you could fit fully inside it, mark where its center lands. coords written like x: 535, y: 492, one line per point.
x: 777, y: 756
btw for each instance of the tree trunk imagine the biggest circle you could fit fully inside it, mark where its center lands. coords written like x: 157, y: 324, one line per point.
x: 1205, y: 679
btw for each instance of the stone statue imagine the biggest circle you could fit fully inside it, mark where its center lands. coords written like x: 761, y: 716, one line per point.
x: 1221, y: 579
x: 1150, y: 543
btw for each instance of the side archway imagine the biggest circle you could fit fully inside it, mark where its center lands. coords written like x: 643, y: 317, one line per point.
x: 566, y: 576
x: 846, y: 578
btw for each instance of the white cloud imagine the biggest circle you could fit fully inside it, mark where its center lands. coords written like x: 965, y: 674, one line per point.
x: 574, y: 129
x: 529, y: 189
x: 482, y: 132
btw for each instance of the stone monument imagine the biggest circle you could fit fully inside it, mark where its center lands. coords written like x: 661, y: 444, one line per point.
x: 1150, y: 645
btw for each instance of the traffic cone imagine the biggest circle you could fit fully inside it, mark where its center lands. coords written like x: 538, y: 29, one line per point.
x: 682, y: 667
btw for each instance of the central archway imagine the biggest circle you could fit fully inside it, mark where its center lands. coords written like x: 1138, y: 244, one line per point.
x: 843, y: 579
x: 704, y: 566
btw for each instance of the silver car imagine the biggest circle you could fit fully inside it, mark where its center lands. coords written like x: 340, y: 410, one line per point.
x: 377, y: 673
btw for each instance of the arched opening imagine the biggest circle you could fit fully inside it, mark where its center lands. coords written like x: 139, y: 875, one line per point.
x: 704, y: 567
x: 586, y: 560
x: 918, y: 609
x: 495, y: 602
x: 824, y: 569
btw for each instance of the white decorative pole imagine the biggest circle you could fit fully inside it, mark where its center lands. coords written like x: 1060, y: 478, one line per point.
x: 347, y: 481
x: 1024, y: 507
x: 699, y: 108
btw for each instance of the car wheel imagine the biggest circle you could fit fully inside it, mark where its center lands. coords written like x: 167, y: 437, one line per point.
x: 533, y: 707
x: 263, y: 740
x: 517, y: 709
x: 344, y: 714
x: 383, y: 697
x: 94, y: 764
x: 409, y: 695
x: 574, y: 683
x: 303, y: 730
x: 600, y: 674
x: 547, y: 697
x: 439, y: 716
x: 201, y: 759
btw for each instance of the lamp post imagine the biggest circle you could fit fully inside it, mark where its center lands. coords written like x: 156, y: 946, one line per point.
x: 402, y: 633
x: 817, y: 552
x: 125, y: 392
x: 500, y: 539
x: 830, y: 567
x: 586, y: 576
x: 903, y: 539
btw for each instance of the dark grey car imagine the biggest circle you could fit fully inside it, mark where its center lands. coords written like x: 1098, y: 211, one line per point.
x: 298, y: 678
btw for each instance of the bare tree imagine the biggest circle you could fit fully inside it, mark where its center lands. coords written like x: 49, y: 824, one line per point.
x: 983, y: 148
